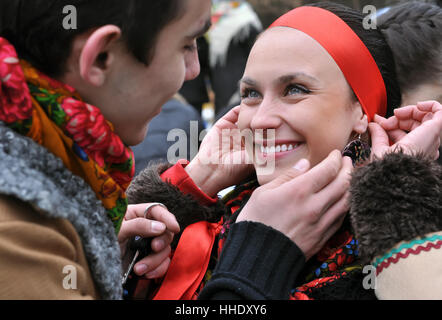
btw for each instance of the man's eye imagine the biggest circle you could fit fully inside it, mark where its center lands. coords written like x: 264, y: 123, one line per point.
x: 191, y: 47
x: 296, y: 89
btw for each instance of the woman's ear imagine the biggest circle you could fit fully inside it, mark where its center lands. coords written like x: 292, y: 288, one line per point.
x: 360, y: 119
x: 96, y: 57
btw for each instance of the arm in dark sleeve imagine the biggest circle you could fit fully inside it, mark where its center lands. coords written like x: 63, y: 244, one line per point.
x: 257, y: 262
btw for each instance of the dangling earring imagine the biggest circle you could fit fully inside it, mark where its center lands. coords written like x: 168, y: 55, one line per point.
x: 358, y: 150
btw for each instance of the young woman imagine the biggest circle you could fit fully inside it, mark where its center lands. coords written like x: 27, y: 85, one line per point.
x: 316, y: 79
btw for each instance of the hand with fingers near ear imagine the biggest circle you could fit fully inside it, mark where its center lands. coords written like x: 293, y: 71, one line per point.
x: 222, y: 160
x: 308, y: 206
x: 161, y: 226
x: 413, y: 129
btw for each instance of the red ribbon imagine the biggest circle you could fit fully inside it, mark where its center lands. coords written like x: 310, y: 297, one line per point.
x: 189, y: 263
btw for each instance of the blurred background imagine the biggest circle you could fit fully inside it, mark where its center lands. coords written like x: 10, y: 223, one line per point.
x: 269, y: 10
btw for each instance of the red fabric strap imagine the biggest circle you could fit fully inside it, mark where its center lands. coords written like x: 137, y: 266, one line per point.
x: 189, y: 263
x: 347, y: 50
x: 177, y: 176
x: 192, y: 255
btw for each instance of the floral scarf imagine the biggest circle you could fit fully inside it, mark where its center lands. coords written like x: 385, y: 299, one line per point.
x: 54, y: 116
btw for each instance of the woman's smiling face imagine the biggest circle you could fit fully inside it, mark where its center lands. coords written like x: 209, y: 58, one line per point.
x: 292, y: 85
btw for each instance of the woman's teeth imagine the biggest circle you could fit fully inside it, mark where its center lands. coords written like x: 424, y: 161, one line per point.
x: 279, y: 148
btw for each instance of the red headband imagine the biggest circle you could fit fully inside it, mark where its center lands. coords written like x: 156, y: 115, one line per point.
x: 347, y: 50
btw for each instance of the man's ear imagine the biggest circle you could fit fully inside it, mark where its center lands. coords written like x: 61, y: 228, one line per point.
x: 361, y: 120
x: 95, y: 58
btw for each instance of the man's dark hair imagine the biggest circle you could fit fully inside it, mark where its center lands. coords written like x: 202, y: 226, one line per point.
x: 414, y: 32
x: 376, y: 44
x: 36, y: 30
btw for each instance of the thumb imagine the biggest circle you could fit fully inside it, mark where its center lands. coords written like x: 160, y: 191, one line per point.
x: 299, y: 168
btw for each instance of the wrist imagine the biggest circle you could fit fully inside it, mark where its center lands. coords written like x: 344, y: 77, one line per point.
x: 204, y: 177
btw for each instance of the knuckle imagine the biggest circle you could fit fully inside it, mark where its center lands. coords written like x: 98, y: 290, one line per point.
x: 313, y: 216
x: 160, y: 213
x: 315, y: 184
x: 335, y: 168
x: 168, y: 237
x: 136, y: 226
x: 343, y: 208
x: 300, y: 193
x: 345, y: 184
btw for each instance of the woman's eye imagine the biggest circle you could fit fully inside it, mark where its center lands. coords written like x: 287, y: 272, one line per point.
x: 250, y: 94
x: 296, y: 89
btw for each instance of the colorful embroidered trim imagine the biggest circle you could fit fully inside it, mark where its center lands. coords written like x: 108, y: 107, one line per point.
x: 413, y: 247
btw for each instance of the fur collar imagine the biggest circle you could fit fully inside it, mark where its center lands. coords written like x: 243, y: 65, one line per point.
x: 398, y: 198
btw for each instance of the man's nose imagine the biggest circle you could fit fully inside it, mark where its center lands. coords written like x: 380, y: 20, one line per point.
x: 192, y: 66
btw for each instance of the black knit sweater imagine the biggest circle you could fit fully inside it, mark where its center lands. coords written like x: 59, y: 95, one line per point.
x: 265, y: 270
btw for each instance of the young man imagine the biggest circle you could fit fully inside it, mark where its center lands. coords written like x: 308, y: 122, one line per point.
x: 72, y: 99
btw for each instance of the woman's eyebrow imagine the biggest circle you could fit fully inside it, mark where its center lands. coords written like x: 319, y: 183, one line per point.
x: 287, y: 78
x: 296, y: 76
x: 248, y: 81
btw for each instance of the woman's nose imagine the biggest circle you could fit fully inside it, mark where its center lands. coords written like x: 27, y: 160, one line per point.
x: 265, y: 116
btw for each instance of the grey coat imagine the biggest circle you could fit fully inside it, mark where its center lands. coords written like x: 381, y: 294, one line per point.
x: 30, y: 173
